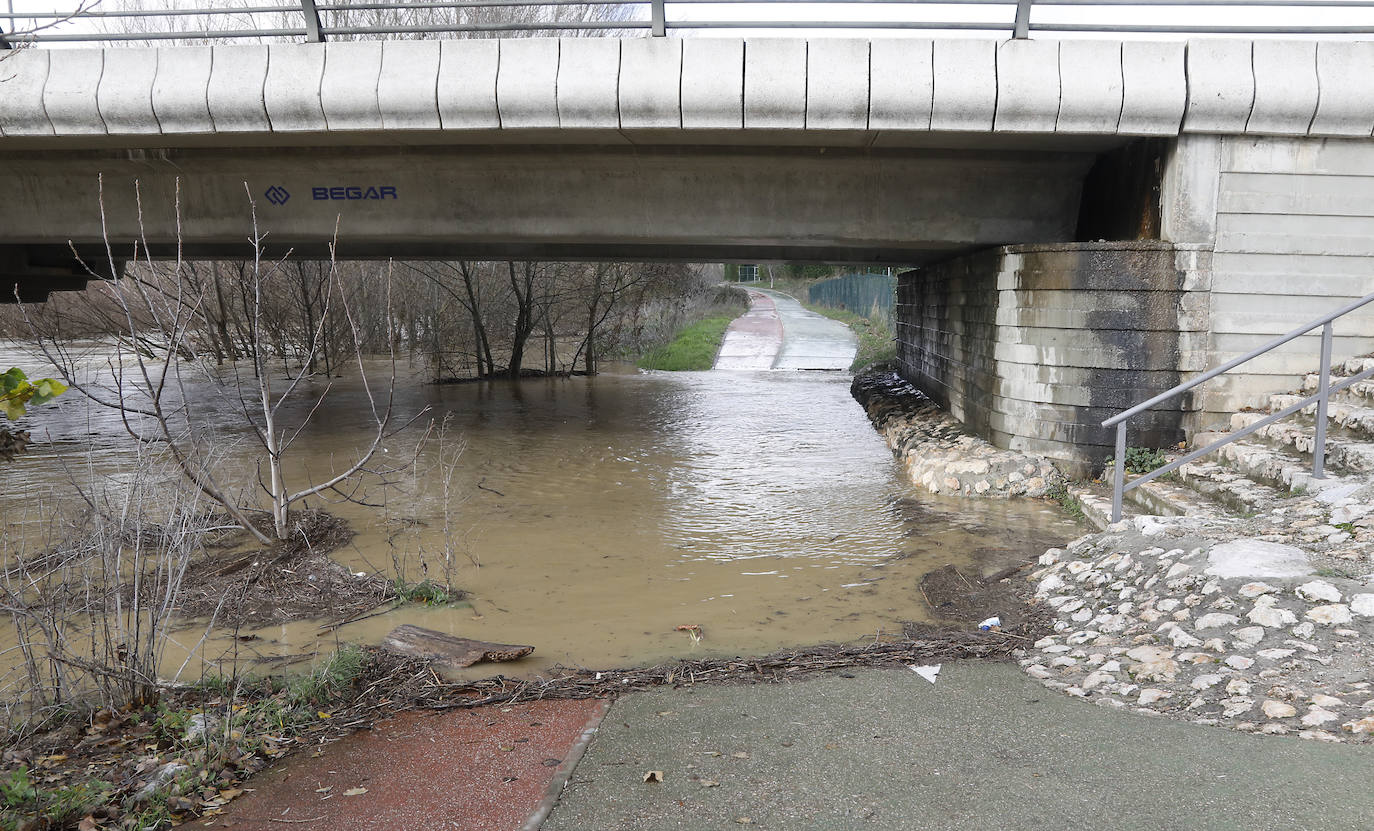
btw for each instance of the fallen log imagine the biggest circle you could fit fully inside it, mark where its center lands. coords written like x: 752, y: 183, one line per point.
x: 447, y: 650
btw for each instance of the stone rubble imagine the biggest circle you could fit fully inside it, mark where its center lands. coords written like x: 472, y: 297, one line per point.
x: 937, y: 452
x: 1246, y: 622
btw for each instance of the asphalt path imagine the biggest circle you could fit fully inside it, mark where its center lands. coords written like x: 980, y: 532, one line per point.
x: 984, y: 748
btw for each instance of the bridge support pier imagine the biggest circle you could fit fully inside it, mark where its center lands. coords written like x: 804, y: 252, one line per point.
x: 1032, y: 346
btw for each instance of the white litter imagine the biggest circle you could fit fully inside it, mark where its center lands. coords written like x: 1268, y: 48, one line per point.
x: 927, y: 672
x: 990, y: 623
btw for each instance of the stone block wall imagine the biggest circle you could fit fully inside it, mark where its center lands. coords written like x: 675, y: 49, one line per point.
x: 1033, y: 346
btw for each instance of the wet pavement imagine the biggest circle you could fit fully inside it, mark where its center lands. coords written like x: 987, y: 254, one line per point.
x: 754, y: 338
x: 489, y: 769
x: 778, y: 333
x: 984, y: 747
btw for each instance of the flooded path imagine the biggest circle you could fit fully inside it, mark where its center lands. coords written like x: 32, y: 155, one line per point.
x: 779, y: 333
x: 593, y: 516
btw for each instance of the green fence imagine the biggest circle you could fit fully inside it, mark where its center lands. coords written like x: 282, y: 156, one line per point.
x: 870, y: 295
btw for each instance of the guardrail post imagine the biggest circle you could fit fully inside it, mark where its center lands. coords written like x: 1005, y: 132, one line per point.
x: 1119, y: 469
x: 312, y: 21
x: 659, y: 26
x: 1021, y: 28
x: 1323, y: 394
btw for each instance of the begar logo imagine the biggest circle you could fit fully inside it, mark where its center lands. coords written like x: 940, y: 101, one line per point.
x: 277, y: 195
x: 351, y: 192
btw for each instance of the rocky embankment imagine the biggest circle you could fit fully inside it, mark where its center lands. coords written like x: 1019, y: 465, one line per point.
x: 938, y: 453
x: 1262, y: 624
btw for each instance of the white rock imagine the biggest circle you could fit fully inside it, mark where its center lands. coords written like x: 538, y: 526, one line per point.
x: 1178, y: 569
x: 1050, y: 584
x: 1078, y: 567
x: 1205, y: 682
x: 1214, y: 645
x: 1063, y: 661
x: 1317, y: 716
x: 1251, y: 590
x: 1278, y: 709
x: 1111, y: 666
x: 1216, y: 620
x: 1039, y: 671
x: 1364, y: 725
x: 1274, y: 654
x: 1150, y: 696
x: 1071, y: 606
x: 1167, y: 605
x: 1047, y: 641
x: 1362, y: 605
x: 1236, y: 686
x: 1250, y: 634
x: 1056, y: 649
x: 1304, y: 630
x: 1182, y: 639
x: 1318, y: 590
x: 1326, y: 701
x: 1081, y: 616
x: 1270, y: 615
x: 1330, y: 615
x: 1318, y: 735
x: 1236, y: 705
x: 1147, y: 654
x: 1257, y: 558
x: 1095, y: 679
x: 1239, y: 662
x: 1050, y: 557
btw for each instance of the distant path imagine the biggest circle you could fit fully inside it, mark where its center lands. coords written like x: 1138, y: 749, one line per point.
x: 777, y: 333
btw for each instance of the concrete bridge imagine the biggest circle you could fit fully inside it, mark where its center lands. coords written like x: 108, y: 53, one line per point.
x: 1231, y: 182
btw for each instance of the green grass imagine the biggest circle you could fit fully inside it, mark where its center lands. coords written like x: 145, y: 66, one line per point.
x: 694, y: 348
x: 426, y: 591
x: 876, y: 339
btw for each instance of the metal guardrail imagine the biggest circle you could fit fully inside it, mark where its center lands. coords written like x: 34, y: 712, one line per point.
x: 316, y: 20
x: 1322, y: 397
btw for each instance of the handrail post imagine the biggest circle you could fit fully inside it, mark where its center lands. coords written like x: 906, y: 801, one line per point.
x: 312, y: 22
x: 1119, y: 463
x: 1323, y: 394
x: 659, y: 24
x: 1021, y: 28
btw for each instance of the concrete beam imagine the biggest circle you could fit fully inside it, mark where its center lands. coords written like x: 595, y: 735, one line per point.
x: 597, y: 202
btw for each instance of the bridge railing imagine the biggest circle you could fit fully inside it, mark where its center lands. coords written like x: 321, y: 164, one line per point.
x: 318, y: 20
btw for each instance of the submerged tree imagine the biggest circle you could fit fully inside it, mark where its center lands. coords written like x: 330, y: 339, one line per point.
x: 157, y: 379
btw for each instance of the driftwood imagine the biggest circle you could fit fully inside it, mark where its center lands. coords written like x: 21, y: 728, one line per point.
x: 447, y: 650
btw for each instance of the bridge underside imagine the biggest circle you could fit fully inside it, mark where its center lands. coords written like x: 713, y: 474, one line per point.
x: 590, y: 202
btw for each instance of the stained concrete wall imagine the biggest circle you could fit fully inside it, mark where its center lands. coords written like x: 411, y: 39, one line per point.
x: 1032, y: 346
x: 1291, y: 222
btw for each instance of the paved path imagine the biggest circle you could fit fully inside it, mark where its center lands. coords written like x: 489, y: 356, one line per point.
x: 778, y: 333
x: 985, y: 749
x: 488, y: 769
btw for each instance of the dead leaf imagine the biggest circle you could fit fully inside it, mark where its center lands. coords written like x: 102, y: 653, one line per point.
x: 87, y: 824
x: 745, y: 821
x: 355, y: 792
x: 325, y: 789
x: 711, y: 753
x: 710, y: 783
x: 740, y: 755
x: 653, y: 776
x: 667, y: 712
x: 323, y: 714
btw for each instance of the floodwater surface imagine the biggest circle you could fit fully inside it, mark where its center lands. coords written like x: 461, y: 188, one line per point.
x: 592, y: 517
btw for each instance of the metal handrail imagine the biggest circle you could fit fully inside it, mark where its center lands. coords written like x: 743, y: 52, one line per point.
x: 1321, y: 397
x: 317, y: 20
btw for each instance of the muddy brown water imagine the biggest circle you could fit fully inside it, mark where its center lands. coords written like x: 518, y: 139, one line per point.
x: 591, y: 517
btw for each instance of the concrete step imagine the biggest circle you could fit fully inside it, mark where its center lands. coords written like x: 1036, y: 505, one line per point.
x: 1360, y: 393
x: 1281, y: 470
x: 1233, y: 490
x: 1347, y: 420
x: 1343, y: 455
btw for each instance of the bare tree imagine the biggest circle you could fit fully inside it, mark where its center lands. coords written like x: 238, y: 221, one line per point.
x: 160, y: 316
